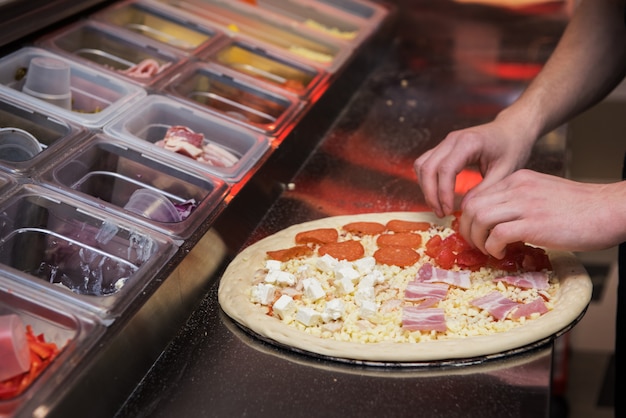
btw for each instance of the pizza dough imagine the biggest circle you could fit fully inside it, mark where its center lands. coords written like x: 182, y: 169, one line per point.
x: 572, y: 299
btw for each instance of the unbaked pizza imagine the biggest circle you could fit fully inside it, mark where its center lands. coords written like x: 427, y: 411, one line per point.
x: 399, y: 287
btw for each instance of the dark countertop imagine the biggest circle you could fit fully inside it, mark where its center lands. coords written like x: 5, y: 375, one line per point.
x: 448, y: 66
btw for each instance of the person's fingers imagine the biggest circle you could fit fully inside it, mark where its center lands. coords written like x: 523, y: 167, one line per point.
x: 437, y: 170
x: 485, y: 210
x: 503, y: 234
x: 427, y: 179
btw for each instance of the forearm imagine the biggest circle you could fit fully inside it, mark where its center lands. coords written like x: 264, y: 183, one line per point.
x: 589, y: 61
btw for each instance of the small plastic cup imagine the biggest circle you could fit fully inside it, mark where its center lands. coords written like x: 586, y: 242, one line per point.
x: 17, y: 145
x: 152, y: 205
x: 48, y: 79
x: 14, y: 351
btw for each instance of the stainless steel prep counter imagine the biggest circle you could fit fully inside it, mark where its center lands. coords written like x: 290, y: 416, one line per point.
x: 449, y: 66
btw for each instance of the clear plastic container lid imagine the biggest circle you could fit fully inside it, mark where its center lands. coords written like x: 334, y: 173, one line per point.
x: 167, y: 126
x: 73, y: 332
x: 52, y: 134
x: 332, y: 22
x: 118, y: 53
x: 86, y: 257
x: 258, y: 26
x: 267, y: 65
x: 361, y: 9
x: 226, y: 93
x: 105, y: 173
x: 96, y: 96
x: 160, y: 25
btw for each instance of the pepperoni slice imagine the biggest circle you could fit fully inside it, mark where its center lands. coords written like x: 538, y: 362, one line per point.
x: 400, y: 239
x: 396, y: 256
x: 398, y: 225
x: 317, y: 236
x: 290, y: 253
x: 364, y: 228
x: 345, y: 250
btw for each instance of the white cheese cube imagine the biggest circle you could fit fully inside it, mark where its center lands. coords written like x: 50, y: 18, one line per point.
x: 368, y: 309
x: 334, y: 310
x: 308, y: 316
x: 366, y: 281
x: 326, y: 263
x: 263, y: 293
x: 344, y: 286
x: 364, y: 294
x: 313, y: 289
x: 378, y: 276
x: 365, y: 265
x: 280, y: 277
x: 347, y: 273
x: 273, y: 265
x: 284, y: 306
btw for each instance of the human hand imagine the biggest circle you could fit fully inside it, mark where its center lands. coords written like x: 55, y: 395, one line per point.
x: 491, y: 146
x: 546, y: 211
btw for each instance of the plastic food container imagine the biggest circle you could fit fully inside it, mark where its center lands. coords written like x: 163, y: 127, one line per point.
x: 237, y: 18
x: 17, y: 145
x: 120, y: 54
x: 81, y: 255
x: 268, y: 66
x: 6, y: 183
x: 157, y: 24
x: 21, y: 126
x: 157, y: 114
x: 361, y: 9
x: 96, y: 96
x: 230, y: 96
x: 105, y: 173
x: 72, y: 331
x: 318, y: 17
x: 48, y: 79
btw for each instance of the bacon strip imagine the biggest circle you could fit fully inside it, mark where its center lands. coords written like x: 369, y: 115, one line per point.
x: 527, y: 280
x: 527, y: 309
x: 428, y: 303
x: 429, y: 274
x: 416, y: 290
x: 496, y: 304
x: 423, y: 319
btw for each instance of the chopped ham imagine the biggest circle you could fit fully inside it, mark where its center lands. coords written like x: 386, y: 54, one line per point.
x: 291, y: 291
x: 420, y: 290
x: 217, y: 156
x: 184, y: 141
x: 527, y: 280
x: 390, y: 305
x: 429, y: 274
x: 145, y: 69
x: 333, y: 326
x: 527, y: 309
x: 423, y: 319
x: 184, y: 134
x: 496, y: 304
